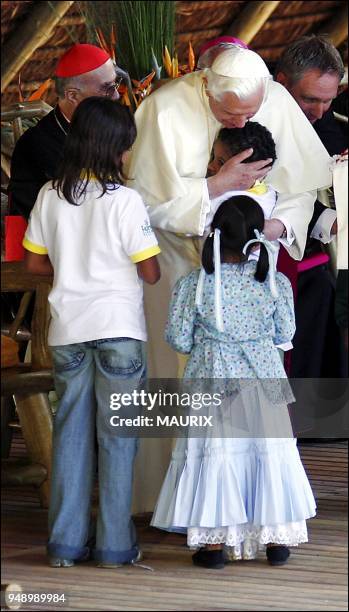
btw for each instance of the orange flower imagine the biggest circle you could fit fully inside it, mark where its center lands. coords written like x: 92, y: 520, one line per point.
x: 175, y: 71
x: 113, y: 42
x: 36, y: 95
x: 191, y: 58
x: 141, y: 86
x: 125, y: 99
x: 102, y: 40
x: 167, y: 61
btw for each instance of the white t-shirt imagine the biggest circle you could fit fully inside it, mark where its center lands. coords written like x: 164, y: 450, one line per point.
x: 93, y: 249
x: 266, y: 200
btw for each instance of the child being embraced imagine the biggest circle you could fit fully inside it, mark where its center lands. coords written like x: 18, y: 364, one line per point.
x: 230, y: 142
x: 247, y: 491
x: 94, y: 235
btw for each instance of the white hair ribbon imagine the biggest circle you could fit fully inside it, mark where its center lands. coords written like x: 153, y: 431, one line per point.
x: 217, y: 288
x: 217, y: 284
x: 200, y: 288
x: 272, y: 251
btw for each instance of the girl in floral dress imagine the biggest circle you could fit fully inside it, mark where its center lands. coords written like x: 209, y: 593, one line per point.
x: 243, y: 485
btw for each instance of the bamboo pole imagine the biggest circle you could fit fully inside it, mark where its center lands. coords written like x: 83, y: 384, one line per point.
x: 337, y: 28
x: 6, y: 165
x: 35, y: 417
x: 251, y: 20
x: 33, y: 33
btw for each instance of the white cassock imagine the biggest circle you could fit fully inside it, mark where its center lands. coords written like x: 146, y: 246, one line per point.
x: 168, y: 165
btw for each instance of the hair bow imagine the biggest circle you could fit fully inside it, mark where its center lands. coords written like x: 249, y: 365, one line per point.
x: 272, y: 250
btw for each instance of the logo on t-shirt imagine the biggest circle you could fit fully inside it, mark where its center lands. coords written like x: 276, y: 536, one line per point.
x: 147, y: 228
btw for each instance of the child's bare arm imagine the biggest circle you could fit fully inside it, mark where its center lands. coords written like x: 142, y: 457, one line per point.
x: 37, y: 264
x: 149, y: 270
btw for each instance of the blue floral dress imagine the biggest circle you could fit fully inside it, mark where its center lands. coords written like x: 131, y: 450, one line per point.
x: 247, y: 490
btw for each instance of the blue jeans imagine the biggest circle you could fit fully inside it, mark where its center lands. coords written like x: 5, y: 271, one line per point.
x: 85, y: 376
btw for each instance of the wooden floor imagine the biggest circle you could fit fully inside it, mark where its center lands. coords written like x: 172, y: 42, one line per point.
x: 314, y: 579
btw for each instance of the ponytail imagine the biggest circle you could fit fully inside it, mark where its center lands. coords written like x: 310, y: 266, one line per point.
x: 262, y: 265
x: 237, y: 225
x: 207, y: 255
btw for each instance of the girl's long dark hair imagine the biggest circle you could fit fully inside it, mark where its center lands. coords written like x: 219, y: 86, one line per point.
x: 237, y: 218
x: 100, y: 132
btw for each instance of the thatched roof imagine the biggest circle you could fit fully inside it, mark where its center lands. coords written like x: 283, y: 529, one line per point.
x: 197, y: 22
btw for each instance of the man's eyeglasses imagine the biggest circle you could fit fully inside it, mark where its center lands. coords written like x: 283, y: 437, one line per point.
x: 109, y: 90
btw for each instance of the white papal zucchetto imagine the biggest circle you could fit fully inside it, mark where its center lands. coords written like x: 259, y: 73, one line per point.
x: 240, y: 63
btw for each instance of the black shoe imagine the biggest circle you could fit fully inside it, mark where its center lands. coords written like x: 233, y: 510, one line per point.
x: 211, y: 559
x: 277, y: 555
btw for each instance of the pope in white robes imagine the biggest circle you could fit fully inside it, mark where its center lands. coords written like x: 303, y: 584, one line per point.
x: 176, y: 131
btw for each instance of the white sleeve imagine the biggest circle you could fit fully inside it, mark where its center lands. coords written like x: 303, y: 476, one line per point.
x: 137, y: 235
x: 295, y: 212
x: 322, y: 228
x: 287, y: 240
x: 214, y: 205
x: 34, y: 240
x: 176, y: 203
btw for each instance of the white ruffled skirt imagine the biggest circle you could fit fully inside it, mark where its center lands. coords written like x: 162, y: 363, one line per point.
x: 240, y: 492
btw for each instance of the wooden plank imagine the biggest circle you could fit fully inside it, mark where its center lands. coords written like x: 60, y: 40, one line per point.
x: 314, y: 579
x: 31, y: 34
x: 337, y: 28
x: 251, y: 19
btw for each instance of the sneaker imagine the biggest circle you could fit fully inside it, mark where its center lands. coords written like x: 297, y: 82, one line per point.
x: 211, y: 559
x: 277, y: 555
x: 111, y: 565
x: 59, y: 562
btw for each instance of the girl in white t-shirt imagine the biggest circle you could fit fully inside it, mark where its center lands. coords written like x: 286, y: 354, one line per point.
x: 94, y: 235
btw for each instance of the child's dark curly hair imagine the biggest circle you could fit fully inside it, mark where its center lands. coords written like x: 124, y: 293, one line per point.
x: 252, y: 135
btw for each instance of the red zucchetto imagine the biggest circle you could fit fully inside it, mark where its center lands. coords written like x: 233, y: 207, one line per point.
x: 79, y: 59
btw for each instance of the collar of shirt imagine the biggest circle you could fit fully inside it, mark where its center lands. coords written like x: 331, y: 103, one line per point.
x: 259, y: 188
x: 61, y: 119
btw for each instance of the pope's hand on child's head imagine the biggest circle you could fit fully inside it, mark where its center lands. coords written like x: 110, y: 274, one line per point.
x: 236, y: 175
